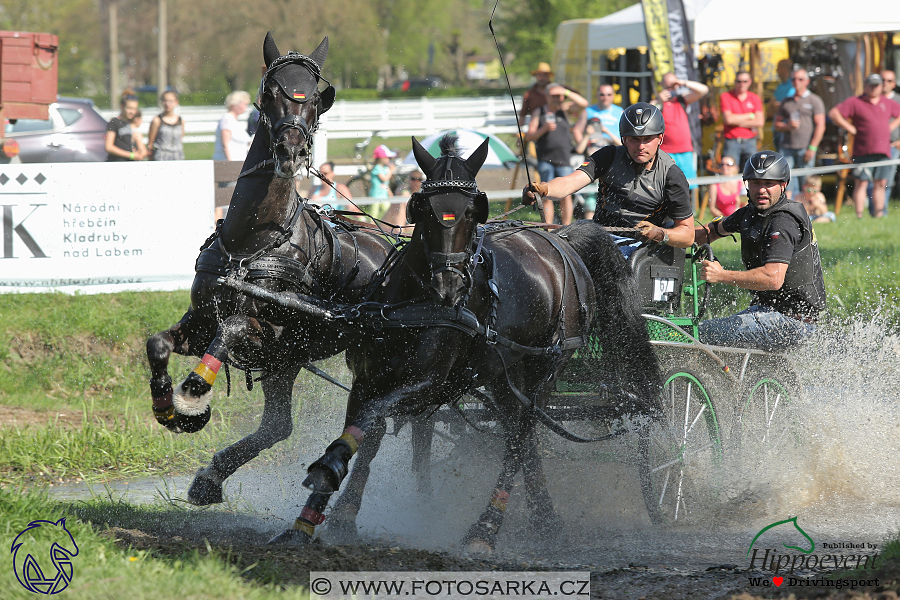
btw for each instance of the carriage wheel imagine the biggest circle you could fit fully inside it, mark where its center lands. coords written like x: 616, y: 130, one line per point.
x: 681, y: 452
x: 767, y: 421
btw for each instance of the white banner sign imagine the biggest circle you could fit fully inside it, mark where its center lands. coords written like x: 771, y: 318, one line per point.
x: 103, y: 227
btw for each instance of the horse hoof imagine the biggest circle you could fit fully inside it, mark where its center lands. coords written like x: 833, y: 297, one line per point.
x: 479, y: 547
x: 340, y: 531
x: 294, y: 537
x: 205, y: 491
x: 546, y: 527
x: 480, y: 539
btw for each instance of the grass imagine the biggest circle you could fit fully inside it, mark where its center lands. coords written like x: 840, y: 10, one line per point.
x: 103, y: 569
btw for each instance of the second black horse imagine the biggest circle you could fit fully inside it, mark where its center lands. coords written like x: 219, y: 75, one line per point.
x: 464, y: 306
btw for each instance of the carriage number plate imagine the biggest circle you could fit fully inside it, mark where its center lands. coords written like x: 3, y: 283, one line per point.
x: 661, y: 289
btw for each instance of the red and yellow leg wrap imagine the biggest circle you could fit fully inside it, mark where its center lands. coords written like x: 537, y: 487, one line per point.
x: 499, y: 500
x: 305, y: 526
x: 314, y: 517
x: 352, y: 436
x: 208, y: 368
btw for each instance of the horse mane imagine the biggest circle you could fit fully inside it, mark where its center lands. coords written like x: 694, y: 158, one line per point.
x: 449, y: 145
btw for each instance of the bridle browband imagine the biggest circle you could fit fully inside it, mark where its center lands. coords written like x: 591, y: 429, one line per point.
x: 290, y: 121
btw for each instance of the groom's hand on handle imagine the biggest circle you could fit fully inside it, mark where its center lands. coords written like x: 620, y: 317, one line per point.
x: 534, y: 190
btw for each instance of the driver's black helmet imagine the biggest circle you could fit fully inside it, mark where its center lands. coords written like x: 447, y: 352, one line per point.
x: 767, y: 165
x: 641, y: 119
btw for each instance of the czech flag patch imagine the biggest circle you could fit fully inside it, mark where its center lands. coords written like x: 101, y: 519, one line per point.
x: 449, y: 216
x: 299, y: 96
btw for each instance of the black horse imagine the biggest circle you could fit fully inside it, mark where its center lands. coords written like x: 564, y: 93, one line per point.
x: 274, y: 239
x: 462, y: 307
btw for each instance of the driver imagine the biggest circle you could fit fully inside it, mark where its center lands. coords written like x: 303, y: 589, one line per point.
x: 781, y: 258
x: 639, y: 185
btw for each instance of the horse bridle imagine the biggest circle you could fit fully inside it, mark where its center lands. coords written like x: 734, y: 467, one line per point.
x: 291, y: 121
x: 460, y: 263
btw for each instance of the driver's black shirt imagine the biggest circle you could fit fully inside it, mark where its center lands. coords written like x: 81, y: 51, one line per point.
x: 628, y: 193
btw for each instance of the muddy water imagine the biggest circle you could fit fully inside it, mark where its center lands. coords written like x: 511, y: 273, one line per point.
x: 841, y: 481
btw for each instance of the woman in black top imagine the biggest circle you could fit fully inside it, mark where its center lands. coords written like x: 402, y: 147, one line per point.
x: 118, y: 131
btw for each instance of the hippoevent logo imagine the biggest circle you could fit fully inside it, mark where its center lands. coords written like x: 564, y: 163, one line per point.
x: 42, y: 556
x: 787, y: 566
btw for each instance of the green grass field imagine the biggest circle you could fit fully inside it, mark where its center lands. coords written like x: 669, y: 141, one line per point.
x: 65, y: 353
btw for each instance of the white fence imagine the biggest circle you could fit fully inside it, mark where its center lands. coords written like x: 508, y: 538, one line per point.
x: 358, y: 119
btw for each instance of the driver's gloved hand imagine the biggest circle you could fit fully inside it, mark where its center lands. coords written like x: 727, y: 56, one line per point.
x: 528, y: 193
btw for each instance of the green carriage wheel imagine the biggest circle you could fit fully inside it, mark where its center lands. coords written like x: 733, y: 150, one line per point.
x: 681, y: 452
x: 767, y: 421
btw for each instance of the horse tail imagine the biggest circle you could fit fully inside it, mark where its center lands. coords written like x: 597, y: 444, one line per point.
x: 622, y: 331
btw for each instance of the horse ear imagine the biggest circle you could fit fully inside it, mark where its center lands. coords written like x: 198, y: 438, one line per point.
x: 270, y: 50
x: 321, y: 53
x: 474, y: 162
x: 423, y: 157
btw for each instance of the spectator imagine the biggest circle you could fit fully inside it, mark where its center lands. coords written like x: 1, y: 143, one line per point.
x: 672, y: 99
x: 380, y: 179
x: 551, y: 131
x: 890, y: 81
x: 801, y: 120
x: 118, y: 141
x: 784, y: 90
x: 607, y: 117
x: 742, y: 113
x: 536, y: 96
x: 232, y: 140
x: 167, y: 130
x: 330, y: 192
x: 728, y: 196
x: 396, y: 214
x: 870, y: 118
x: 137, y: 140
x: 813, y: 200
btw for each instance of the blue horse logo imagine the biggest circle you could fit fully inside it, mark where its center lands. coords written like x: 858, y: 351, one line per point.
x: 45, y: 538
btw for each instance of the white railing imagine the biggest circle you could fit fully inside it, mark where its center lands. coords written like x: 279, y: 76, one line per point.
x: 359, y: 118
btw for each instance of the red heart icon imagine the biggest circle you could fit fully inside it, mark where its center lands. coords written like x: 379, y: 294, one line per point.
x: 777, y: 581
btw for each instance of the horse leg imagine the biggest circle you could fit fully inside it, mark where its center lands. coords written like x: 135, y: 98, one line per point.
x: 422, y: 434
x: 342, y: 521
x: 191, y: 400
x: 326, y: 474
x: 482, y: 536
x: 274, y: 426
x: 183, y: 338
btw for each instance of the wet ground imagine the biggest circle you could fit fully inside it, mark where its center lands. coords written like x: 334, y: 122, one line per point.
x: 840, y: 483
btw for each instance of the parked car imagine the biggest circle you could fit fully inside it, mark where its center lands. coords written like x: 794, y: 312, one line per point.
x: 420, y: 83
x: 75, y: 132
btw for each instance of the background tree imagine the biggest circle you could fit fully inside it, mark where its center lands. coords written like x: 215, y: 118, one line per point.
x: 528, y: 28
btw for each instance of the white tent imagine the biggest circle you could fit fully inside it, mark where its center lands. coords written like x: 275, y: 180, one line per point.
x: 768, y: 19
x: 580, y: 40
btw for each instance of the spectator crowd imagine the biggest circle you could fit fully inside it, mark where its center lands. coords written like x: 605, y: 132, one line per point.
x: 566, y: 130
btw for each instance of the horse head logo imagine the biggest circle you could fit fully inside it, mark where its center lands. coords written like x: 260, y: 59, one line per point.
x: 793, y: 520
x: 38, y: 546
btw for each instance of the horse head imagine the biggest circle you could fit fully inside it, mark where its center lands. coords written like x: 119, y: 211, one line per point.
x: 446, y: 213
x: 291, y: 103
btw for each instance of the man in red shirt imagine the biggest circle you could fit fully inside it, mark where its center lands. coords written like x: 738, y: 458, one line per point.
x: 743, y: 115
x: 675, y: 95
x: 870, y: 118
